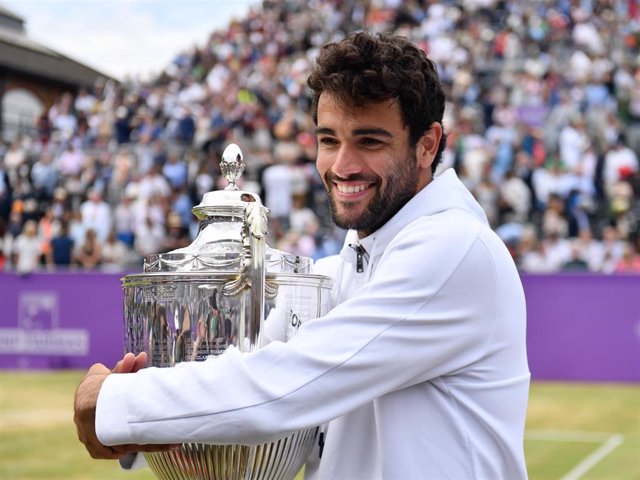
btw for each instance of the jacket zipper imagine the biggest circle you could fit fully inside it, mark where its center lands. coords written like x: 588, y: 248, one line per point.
x: 361, y: 255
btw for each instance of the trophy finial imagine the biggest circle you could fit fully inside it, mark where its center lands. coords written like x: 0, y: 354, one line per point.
x: 232, y: 165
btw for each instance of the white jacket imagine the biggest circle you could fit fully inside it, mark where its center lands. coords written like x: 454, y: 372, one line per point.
x: 420, y: 369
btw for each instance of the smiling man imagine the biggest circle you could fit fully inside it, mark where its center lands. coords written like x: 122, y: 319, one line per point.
x: 420, y: 369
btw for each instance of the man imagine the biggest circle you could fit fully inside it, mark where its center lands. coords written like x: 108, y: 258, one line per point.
x: 420, y: 370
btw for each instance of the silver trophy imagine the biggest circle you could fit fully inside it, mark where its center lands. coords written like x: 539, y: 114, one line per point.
x: 227, y: 288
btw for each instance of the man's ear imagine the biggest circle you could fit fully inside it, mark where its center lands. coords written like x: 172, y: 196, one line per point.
x: 427, y: 146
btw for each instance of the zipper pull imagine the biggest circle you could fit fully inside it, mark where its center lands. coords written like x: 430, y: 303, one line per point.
x: 321, y: 444
x: 360, y: 253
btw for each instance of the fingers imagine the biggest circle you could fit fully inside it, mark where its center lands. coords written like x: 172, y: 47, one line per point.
x: 125, y: 365
x: 133, y: 448
x: 140, y: 362
x: 131, y: 363
x: 101, y: 452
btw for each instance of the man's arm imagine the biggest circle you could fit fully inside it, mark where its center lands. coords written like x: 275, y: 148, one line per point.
x: 427, y: 311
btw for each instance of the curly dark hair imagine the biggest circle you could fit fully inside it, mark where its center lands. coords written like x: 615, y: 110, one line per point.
x: 369, y: 68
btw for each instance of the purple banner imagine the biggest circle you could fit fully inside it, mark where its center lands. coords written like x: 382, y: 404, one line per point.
x: 583, y: 327
x: 60, y: 320
x: 580, y: 327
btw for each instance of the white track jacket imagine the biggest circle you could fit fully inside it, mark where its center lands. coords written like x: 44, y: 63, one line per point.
x: 420, y: 370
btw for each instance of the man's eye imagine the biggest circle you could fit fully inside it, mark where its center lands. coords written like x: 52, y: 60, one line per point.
x: 370, y: 142
x: 327, y: 141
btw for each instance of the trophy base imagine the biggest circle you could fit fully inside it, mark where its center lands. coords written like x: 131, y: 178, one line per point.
x: 281, y: 459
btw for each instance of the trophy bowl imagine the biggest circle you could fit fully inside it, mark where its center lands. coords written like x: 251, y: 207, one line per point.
x: 226, y: 288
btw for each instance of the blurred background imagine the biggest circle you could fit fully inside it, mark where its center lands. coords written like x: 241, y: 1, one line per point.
x: 113, y: 118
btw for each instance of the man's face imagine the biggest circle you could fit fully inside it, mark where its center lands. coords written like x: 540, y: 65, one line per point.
x: 365, y: 161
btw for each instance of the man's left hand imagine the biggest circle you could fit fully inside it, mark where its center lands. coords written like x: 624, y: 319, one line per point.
x: 85, y: 403
x: 85, y: 412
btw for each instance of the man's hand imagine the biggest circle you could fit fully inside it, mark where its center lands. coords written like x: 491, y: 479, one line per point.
x: 85, y: 410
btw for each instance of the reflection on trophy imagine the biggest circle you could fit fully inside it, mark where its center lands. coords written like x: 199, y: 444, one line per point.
x: 226, y: 288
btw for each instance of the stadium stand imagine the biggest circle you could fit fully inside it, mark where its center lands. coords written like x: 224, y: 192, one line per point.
x: 543, y: 118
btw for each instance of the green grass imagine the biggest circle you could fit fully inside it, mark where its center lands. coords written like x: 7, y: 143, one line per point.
x: 37, y: 435
x: 566, y: 423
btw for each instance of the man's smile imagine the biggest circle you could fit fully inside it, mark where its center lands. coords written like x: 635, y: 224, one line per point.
x: 352, y: 188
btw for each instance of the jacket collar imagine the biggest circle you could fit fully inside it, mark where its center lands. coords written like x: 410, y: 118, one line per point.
x: 444, y: 192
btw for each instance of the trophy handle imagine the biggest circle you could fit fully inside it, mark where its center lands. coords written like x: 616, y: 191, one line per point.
x: 252, y: 274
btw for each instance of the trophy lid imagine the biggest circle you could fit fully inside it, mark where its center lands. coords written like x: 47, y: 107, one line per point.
x: 231, y: 201
x: 225, y: 215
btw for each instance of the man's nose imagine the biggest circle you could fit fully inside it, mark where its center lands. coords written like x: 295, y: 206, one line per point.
x: 347, y: 162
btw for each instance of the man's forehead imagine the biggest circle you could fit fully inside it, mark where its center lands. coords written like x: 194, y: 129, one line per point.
x: 334, y: 114
x: 348, y: 106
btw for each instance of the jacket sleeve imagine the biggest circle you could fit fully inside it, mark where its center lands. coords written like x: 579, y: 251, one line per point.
x: 426, y: 311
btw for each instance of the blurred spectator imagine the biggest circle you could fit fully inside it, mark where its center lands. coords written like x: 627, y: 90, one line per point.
x: 125, y: 218
x: 277, y: 181
x: 115, y: 254
x: 303, y: 219
x: 177, y: 233
x: 48, y: 228
x: 620, y: 162
x: 185, y: 127
x: 88, y: 254
x: 576, y: 261
x: 532, y: 255
x: 27, y: 249
x: 613, y: 249
x: 515, y: 196
x: 297, y: 243
x: 591, y: 250
x: 122, y: 125
x: 5, y: 245
x: 85, y: 102
x: 204, y: 182
x: 121, y: 174
x: 62, y: 118
x: 5, y: 192
x: 629, y: 262
x: 557, y: 250
x: 96, y: 214
x: 71, y: 160
x: 14, y: 160
x: 59, y: 204
x: 573, y: 143
x: 554, y: 222
x: 175, y: 171
x: 44, y: 177
x: 153, y: 184
x: 181, y: 204
x: 149, y: 237
x: 60, y: 254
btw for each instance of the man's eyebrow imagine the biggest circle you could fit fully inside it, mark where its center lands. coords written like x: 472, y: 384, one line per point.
x: 325, y: 131
x: 357, y: 132
x: 371, y: 131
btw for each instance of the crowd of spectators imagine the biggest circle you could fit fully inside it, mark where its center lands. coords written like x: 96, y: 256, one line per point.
x: 543, y: 117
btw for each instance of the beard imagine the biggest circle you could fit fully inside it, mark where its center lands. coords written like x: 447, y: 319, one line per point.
x: 401, y: 185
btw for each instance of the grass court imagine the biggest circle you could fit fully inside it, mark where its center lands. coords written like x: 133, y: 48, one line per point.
x: 574, y: 431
